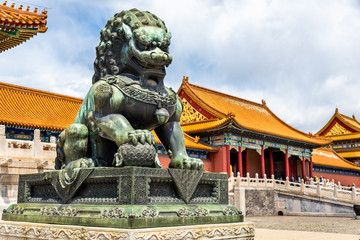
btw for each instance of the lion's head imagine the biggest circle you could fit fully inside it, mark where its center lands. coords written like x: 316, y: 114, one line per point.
x: 135, y: 43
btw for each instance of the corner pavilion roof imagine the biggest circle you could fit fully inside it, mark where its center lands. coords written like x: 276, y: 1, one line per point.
x: 28, y: 107
x: 341, y: 127
x: 17, y: 25
x: 328, y: 157
x: 246, y: 114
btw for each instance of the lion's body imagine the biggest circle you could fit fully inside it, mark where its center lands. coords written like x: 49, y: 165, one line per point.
x: 128, y: 99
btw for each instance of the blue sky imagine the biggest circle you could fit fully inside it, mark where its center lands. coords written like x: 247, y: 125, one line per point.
x: 302, y: 57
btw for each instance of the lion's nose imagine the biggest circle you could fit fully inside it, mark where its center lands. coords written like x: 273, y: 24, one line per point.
x: 158, y: 57
x: 154, y: 56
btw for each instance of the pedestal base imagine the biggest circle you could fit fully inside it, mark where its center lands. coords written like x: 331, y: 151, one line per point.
x: 25, y: 230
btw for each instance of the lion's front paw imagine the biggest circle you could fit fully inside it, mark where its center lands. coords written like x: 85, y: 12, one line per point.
x: 186, y: 162
x: 141, y: 136
x: 80, y: 163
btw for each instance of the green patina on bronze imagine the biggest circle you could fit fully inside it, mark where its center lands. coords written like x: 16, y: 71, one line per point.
x: 128, y: 217
x: 127, y: 101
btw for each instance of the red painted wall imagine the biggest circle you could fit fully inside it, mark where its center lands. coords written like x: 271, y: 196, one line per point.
x: 165, y: 160
x: 345, y: 180
x: 218, y: 160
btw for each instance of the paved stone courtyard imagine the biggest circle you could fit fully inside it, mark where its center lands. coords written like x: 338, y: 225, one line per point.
x: 305, y: 228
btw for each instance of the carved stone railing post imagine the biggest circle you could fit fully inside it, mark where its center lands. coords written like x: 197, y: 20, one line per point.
x: 52, y: 139
x: 265, y: 180
x: 248, y: 178
x: 3, y: 145
x: 339, y: 184
x: 287, y: 183
x: 238, y: 180
x: 257, y: 179
x: 336, y: 192
x: 273, y: 181
x: 311, y: 181
x: 353, y: 193
x: 37, y: 144
x: 318, y: 189
x: 302, y: 186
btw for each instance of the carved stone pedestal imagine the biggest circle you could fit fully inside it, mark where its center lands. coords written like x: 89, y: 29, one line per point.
x: 25, y: 230
x: 126, y: 198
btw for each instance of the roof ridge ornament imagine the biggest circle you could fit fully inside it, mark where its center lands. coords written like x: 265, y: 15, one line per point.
x: 336, y: 110
x: 263, y: 102
x: 230, y: 115
x: 186, y: 79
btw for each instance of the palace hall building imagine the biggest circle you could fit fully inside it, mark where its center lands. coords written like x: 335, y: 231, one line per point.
x: 228, y: 133
x: 344, y: 132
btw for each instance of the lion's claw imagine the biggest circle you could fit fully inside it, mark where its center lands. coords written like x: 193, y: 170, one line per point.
x: 141, y: 136
x: 186, y: 162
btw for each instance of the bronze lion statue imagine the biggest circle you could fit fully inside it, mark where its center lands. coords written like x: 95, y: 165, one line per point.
x: 128, y: 99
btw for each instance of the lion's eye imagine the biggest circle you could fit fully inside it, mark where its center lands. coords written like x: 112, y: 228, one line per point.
x: 141, y: 46
x: 165, y: 48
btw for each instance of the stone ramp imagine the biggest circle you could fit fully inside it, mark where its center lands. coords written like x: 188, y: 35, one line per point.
x: 271, y: 234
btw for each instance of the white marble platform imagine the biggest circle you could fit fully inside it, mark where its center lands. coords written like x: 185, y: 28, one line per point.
x: 22, y: 230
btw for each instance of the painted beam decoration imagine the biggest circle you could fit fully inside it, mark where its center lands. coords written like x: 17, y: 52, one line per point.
x: 239, y: 141
x: 346, y: 145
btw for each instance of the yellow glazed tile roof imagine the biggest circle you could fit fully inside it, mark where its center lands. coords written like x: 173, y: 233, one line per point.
x: 191, y: 142
x: 203, y: 125
x: 247, y: 114
x: 350, y: 136
x: 27, y: 107
x: 328, y: 157
x: 17, y: 25
x: 355, y: 154
x: 351, y: 120
x: 34, y: 108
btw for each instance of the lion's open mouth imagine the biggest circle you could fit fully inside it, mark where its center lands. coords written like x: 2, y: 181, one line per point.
x: 153, y: 74
x: 145, y: 66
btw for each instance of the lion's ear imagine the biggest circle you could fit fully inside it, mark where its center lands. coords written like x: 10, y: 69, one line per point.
x: 168, y: 32
x: 127, y: 31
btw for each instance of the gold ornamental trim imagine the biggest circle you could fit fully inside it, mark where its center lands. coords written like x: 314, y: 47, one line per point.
x: 337, y: 129
x: 190, y: 114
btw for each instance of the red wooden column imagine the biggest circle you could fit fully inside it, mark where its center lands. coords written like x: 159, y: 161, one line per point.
x: 227, y: 149
x: 287, y: 169
x: 303, y: 168
x: 262, y: 160
x: 271, y: 162
x: 246, y: 161
x: 311, y: 168
x: 239, y: 162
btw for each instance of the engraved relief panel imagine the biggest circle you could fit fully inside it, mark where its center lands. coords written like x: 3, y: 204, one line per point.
x: 337, y: 129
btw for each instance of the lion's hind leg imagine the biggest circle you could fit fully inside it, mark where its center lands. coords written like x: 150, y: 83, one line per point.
x: 73, y: 146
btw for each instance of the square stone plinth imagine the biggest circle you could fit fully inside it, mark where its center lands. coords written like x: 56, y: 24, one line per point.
x: 25, y: 230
